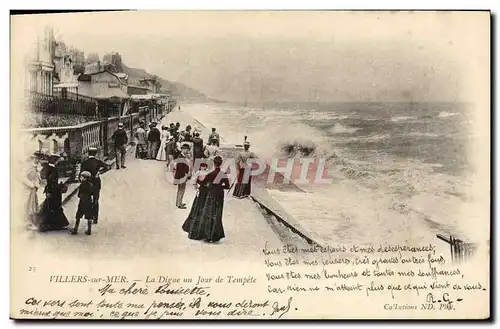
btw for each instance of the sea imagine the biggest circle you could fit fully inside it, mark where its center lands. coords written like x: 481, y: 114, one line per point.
x: 399, y: 171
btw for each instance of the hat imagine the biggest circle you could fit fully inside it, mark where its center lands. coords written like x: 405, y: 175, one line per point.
x: 54, y: 156
x: 218, y: 160
x: 92, y: 150
x: 120, y: 124
x: 86, y: 174
x: 185, y: 146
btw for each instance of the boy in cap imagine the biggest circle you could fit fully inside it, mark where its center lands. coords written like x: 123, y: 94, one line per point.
x: 85, y: 208
x: 94, y: 166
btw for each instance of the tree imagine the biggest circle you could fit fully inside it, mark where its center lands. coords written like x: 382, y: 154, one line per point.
x: 157, y: 80
x: 115, y: 59
x: 78, y: 69
x: 92, y: 58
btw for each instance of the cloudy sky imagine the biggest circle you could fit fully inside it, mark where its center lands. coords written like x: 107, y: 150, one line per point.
x: 291, y: 56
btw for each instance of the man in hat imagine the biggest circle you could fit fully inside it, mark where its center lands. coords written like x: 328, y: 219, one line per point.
x: 186, y: 134
x: 120, y: 140
x: 142, y: 143
x: 181, y: 175
x: 197, y: 146
x: 94, y: 166
x: 171, y: 129
x: 170, y: 150
x: 242, y: 189
x: 154, y: 139
x: 214, y: 135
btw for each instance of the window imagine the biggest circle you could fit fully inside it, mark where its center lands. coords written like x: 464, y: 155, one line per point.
x: 55, y: 147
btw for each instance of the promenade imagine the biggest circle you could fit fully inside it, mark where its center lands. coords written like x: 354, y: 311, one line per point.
x: 138, y: 217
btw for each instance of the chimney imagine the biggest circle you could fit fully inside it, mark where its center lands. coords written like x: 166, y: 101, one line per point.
x: 98, y: 66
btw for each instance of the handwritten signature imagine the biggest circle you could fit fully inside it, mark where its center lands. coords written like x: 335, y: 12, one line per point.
x: 445, y: 298
x: 283, y: 309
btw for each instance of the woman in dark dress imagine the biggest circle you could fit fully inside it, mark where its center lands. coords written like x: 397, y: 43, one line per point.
x: 193, y: 224
x: 211, y: 214
x: 52, y: 214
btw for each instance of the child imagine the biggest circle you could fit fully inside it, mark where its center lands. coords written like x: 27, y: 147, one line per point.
x: 85, y: 205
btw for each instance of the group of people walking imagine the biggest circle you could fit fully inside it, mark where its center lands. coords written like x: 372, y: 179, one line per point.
x: 204, y: 221
x: 185, y: 148
x: 166, y: 145
x: 50, y: 216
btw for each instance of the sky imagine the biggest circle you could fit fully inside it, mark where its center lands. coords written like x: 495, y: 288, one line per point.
x: 292, y: 56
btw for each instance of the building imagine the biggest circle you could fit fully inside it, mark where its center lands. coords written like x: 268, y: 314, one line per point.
x: 40, y: 68
x: 102, y: 85
x: 153, y: 84
x: 107, y: 89
x: 94, y: 67
x: 78, y: 57
x: 137, y: 90
x: 64, y: 77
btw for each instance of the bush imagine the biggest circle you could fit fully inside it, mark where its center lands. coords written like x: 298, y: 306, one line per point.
x: 39, y: 120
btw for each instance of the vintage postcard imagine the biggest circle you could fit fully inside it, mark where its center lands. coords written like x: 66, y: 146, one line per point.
x: 250, y: 165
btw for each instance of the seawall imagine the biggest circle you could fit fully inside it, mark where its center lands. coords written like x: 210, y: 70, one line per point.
x: 288, y: 229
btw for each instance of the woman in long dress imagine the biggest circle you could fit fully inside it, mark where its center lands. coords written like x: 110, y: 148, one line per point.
x: 53, y: 217
x: 193, y: 224
x: 243, y: 186
x: 31, y: 182
x: 162, y: 153
x: 211, y: 215
x: 211, y: 150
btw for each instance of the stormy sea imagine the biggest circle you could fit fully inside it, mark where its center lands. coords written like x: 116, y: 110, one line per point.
x: 399, y: 171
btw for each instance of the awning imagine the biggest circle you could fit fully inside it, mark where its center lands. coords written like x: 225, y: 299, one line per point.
x: 67, y: 85
x: 143, y: 97
x: 107, y: 93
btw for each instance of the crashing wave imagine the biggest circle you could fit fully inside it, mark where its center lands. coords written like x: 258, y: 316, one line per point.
x: 445, y: 114
x: 402, y: 118
x: 419, y: 134
x: 340, y: 129
x: 292, y: 149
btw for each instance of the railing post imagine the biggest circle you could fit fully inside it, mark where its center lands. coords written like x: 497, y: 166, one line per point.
x: 76, y: 143
x: 131, y: 123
